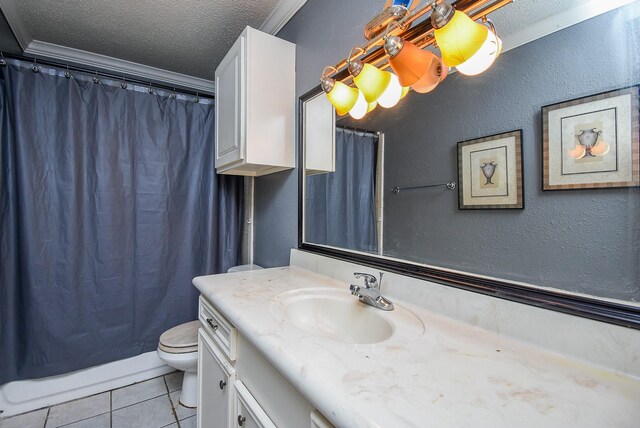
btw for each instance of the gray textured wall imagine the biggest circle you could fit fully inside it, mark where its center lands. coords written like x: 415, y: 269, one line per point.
x: 584, y: 241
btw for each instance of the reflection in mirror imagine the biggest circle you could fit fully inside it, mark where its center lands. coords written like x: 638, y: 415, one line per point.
x: 580, y: 241
x: 343, y: 206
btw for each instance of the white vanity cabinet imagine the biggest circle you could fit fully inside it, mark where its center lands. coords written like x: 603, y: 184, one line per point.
x: 255, y: 106
x: 216, y: 378
x: 238, y: 387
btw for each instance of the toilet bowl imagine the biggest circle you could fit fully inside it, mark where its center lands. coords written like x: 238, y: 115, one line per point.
x: 178, y: 348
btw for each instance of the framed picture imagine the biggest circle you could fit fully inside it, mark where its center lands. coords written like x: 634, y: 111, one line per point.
x: 490, y: 172
x: 591, y: 142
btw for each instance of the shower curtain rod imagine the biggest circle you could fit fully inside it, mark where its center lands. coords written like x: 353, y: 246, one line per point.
x: 95, y: 71
x: 376, y: 134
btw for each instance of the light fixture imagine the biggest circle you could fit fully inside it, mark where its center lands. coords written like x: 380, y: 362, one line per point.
x: 360, y: 108
x: 486, y: 55
x: 371, y: 81
x: 392, y: 94
x: 342, y: 97
x: 464, y: 43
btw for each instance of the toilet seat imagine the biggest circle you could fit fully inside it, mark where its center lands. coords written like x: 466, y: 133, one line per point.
x: 181, y: 339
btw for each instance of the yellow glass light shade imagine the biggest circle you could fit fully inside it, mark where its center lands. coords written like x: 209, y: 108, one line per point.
x: 343, y: 97
x: 411, y: 63
x: 484, y: 58
x: 372, y: 106
x: 392, y: 94
x: 431, y: 78
x: 361, y: 107
x: 460, y: 39
x: 405, y: 91
x: 372, y: 82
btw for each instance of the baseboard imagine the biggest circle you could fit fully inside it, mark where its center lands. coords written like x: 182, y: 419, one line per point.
x: 26, y: 395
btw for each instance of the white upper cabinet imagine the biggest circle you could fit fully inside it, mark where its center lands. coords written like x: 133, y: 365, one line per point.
x: 255, y: 106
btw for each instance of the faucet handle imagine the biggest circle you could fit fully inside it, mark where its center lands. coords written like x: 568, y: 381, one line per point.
x: 370, y: 281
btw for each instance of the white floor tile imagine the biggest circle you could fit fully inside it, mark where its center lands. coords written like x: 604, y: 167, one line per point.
x: 148, y: 414
x: 138, y: 392
x: 174, y: 380
x: 101, y: 421
x: 181, y: 411
x: 188, y: 423
x: 26, y: 420
x: 74, y: 411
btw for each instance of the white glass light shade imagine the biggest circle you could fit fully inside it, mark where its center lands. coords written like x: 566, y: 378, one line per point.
x: 484, y: 58
x: 392, y: 94
x: 359, y: 110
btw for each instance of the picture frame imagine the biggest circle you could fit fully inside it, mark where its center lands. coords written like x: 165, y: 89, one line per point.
x: 490, y: 172
x: 592, y: 142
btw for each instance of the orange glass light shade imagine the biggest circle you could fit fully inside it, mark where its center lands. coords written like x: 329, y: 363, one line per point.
x: 411, y: 63
x: 372, y: 82
x: 431, y: 78
x: 460, y: 39
x: 343, y: 97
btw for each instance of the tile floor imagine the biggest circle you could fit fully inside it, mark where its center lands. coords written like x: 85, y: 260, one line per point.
x: 149, y: 404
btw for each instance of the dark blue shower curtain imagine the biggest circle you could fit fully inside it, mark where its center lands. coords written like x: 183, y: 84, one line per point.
x: 340, y: 207
x: 109, y: 206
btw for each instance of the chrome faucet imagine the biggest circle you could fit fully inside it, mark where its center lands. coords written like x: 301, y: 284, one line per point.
x: 370, y: 293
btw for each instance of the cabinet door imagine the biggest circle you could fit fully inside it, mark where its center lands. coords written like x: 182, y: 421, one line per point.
x: 216, y: 377
x: 248, y: 413
x: 230, y: 93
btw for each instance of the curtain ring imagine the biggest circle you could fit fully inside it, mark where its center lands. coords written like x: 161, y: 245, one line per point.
x: 150, y: 90
x: 35, y: 67
x: 173, y: 95
x: 95, y: 78
x: 197, y: 98
x: 3, y: 62
x: 123, y: 85
x: 66, y: 73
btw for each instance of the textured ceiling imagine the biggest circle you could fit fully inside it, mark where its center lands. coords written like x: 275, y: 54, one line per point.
x: 189, y: 37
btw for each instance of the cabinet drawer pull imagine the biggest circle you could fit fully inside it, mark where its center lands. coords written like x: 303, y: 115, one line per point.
x: 210, y: 322
x: 222, y: 384
x: 241, y: 420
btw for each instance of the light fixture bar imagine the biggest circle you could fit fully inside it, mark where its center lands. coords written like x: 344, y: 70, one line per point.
x: 421, y: 34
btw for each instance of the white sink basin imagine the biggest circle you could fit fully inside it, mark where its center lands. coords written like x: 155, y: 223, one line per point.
x: 337, y: 315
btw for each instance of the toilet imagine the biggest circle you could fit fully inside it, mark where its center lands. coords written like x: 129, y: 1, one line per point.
x: 178, y: 348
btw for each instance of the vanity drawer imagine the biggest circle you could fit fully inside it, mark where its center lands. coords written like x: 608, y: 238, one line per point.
x: 223, y: 333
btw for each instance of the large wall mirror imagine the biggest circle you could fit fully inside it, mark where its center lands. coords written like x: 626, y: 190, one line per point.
x: 574, y: 241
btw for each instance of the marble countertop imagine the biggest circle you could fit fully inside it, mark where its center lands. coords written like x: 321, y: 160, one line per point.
x: 447, y: 374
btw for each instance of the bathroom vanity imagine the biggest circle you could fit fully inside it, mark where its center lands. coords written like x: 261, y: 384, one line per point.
x: 289, y: 347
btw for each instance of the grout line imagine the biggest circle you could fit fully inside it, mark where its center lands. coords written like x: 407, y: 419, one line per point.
x: 80, y: 420
x: 46, y: 418
x: 173, y: 409
x: 111, y: 409
x: 133, y: 404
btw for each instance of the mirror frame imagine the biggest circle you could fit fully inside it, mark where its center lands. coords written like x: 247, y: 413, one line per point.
x: 587, y: 307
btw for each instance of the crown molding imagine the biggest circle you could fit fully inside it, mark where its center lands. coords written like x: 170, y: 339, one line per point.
x: 20, y: 31
x: 560, y: 21
x: 65, y: 54
x: 281, y: 14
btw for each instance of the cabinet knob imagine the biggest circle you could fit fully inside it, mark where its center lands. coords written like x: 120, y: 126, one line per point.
x: 210, y: 322
x: 222, y: 384
x: 241, y: 420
